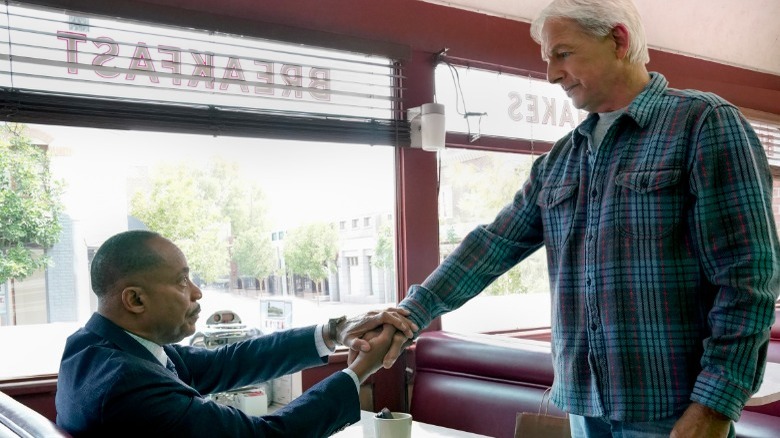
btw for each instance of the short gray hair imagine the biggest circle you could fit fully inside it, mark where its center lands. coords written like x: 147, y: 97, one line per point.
x: 598, y: 18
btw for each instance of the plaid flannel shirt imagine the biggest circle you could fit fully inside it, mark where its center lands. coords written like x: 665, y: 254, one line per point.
x: 663, y: 259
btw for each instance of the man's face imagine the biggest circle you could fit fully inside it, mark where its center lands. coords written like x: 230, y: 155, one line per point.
x: 169, y: 297
x: 585, y: 66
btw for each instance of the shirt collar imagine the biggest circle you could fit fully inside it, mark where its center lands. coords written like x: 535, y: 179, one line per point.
x: 640, y: 110
x: 155, y: 349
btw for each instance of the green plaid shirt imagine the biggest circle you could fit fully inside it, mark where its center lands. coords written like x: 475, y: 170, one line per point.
x: 663, y: 258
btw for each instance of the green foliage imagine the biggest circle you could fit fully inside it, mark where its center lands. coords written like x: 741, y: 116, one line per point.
x: 30, y: 204
x: 310, y: 250
x: 253, y: 253
x: 452, y: 236
x: 384, y: 253
x: 486, y: 185
x: 244, y: 206
x: 222, y: 185
x: 202, y: 211
x: 175, y: 208
x: 482, y: 186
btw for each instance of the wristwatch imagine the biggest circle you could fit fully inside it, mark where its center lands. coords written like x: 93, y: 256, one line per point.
x: 333, y: 324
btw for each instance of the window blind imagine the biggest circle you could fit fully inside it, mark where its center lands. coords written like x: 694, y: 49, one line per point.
x: 85, y: 70
x: 769, y: 134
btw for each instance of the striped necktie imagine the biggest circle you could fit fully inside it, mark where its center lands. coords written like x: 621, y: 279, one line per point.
x: 171, y: 367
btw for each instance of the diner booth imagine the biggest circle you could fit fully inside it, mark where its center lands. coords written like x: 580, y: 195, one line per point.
x: 348, y: 72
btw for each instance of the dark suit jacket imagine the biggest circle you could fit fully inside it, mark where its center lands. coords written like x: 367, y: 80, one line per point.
x: 110, y: 385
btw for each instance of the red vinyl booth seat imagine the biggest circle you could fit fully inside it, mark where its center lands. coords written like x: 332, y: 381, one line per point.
x: 773, y: 353
x: 478, y: 383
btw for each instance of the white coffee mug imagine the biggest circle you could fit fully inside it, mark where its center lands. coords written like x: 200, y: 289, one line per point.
x: 400, y: 426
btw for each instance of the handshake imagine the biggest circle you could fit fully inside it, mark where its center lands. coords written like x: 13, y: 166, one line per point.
x: 375, y: 339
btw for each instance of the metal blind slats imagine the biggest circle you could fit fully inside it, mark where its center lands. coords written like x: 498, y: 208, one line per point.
x: 58, y: 68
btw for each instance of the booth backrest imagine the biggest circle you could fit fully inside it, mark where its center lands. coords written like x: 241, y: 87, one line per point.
x: 478, y: 383
x: 773, y: 354
x: 18, y: 420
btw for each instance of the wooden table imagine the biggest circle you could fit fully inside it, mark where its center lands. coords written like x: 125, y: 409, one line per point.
x: 365, y: 429
x: 769, y: 391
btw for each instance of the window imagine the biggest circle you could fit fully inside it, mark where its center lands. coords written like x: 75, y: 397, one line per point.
x: 475, y: 185
x: 479, y: 102
x: 172, y: 183
x: 286, y: 187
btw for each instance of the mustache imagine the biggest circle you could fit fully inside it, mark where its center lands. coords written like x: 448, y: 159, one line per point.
x: 195, y: 312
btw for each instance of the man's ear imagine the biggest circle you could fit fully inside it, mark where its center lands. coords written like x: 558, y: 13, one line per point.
x: 621, y: 35
x: 133, y: 299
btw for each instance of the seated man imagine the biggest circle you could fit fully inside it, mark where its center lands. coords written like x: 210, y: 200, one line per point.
x: 123, y: 373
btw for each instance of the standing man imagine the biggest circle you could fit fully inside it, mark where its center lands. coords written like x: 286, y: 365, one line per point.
x: 123, y: 374
x: 661, y: 243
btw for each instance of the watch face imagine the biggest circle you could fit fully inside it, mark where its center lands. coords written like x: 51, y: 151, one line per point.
x: 333, y: 326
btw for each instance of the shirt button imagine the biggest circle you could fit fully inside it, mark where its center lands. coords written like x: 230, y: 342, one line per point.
x: 587, y: 282
x: 594, y: 193
x: 594, y: 327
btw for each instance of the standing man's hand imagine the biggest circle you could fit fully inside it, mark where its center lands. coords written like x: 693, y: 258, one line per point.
x: 351, y: 331
x: 699, y: 421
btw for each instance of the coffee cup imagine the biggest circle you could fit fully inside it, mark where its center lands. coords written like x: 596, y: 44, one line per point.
x: 399, y: 426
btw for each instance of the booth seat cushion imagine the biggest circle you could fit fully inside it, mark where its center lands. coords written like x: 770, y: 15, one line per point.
x: 18, y: 420
x: 773, y: 352
x: 478, y: 383
x: 757, y: 425
x: 775, y: 331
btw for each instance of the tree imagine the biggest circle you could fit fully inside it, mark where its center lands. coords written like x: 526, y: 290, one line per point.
x: 310, y: 251
x: 244, y: 206
x: 253, y: 253
x: 30, y: 206
x: 485, y: 185
x: 384, y: 253
x: 384, y: 259
x: 177, y: 209
x: 202, y: 211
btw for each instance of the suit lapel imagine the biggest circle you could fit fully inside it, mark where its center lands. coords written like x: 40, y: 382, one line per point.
x: 103, y: 327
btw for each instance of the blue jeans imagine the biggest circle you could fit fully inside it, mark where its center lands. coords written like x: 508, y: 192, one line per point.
x: 598, y: 427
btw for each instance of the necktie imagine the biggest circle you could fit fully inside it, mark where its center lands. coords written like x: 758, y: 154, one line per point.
x: 171, y: 367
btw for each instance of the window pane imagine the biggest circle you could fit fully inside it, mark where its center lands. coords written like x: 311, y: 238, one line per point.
x: 243, y: 211
x: 475, y: 185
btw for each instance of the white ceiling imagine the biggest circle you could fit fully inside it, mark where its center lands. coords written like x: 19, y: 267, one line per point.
x: 744, y: 33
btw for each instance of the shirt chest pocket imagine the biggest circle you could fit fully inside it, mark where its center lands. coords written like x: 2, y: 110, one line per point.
x: 557, y: 205
x: 650, y: 203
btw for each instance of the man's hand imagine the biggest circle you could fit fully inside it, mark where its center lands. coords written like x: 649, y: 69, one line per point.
x: 699, y: 421
x: 351, y: 333
x: 367, y: 362
x: 399, y: 341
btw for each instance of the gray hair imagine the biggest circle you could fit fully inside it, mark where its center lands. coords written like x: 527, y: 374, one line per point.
x: 598, y: 18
